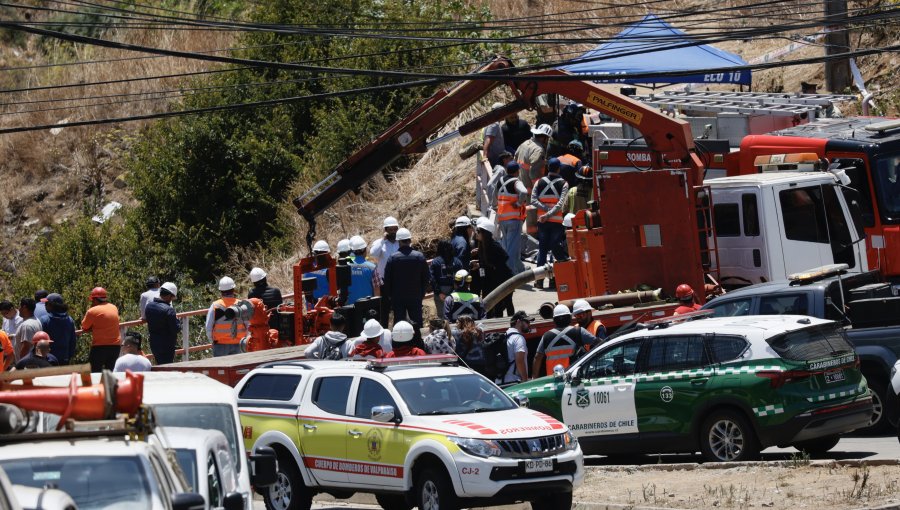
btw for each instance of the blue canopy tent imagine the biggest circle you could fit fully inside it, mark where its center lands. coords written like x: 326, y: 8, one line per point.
x: 671, y: 50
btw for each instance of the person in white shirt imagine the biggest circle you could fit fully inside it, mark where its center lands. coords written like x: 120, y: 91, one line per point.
x: 382, y: 249
x: 130, y: 357
x: 149, y: 295
x: 516, y: 349
x: 11, y: 318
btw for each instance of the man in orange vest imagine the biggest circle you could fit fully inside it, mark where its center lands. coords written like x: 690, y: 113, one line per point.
x: 102, y: 321
x: 224, y: 333
x: 570, y: 162
x: 562, y: 345
x: 512, y: 196
x: 549, y: 198
x: 583, y: 314
x: 685, y: 295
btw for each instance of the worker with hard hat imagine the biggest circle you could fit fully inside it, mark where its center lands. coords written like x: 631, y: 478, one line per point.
x: 370, y: 342
x: 462, y: 301
x: 583, y: 192
x: 549, y: 198
x: 570, y: 162
x: 319, y: 251
x: 269, y: 294
x: 489, y: 266
x: 39, y: 356
x: 163, y: 325
x: 382, y: 249
x: 583, y: 314
x: 562, y: 345
x: 224, y: 333
x: 512, y: 197
x: 102, y: 321
x: 532, y: 155
x: 402, y: 341
x: 406, y: 280
x: 686, y: 302
x: 461, y: 239
x: 343, y: 251
x: 363, y: 275
x: 442, y: 268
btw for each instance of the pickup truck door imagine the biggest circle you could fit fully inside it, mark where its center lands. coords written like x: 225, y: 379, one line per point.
x: 323, y: 428
x: 377, y: 450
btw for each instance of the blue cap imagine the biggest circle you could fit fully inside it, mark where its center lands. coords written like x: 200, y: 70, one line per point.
x: 553, y: 164
x: 513, y: 166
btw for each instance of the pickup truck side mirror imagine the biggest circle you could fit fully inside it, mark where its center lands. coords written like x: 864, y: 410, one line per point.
x: 264, y: 467
x: 384, y: 414
x: 233, y: 501
x: 188, y: 501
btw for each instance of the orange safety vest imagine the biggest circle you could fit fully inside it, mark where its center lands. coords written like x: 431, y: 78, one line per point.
x: 568, y: 159
x: 560, y: 350
x: 550, y: 193
x: 507, y: 196
x: 226, y: 331
x: 593, y: 328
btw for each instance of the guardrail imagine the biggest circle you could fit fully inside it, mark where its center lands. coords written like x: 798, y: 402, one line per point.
x: 483, y: 174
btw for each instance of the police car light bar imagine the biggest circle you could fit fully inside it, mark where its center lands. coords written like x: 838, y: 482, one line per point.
x: 431, y: 359
x: 672, y: 319
x: 818, y: 273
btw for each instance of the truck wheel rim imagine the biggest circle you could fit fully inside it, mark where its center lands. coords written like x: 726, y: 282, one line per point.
x: 280, y: 493
x: 726, y: 440
x: 877, y: 410
x: 430, y: 498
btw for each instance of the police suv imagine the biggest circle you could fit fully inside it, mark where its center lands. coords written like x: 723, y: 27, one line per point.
x: 413, y: 431
x: 727, y: 387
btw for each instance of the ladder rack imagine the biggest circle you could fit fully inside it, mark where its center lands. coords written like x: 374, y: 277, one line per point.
x: 763, y: 103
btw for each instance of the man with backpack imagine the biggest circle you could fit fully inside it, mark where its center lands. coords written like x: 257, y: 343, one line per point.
x: 515, y: 355
x: 332, y: 345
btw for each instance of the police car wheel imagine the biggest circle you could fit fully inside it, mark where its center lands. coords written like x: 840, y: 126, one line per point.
x: 559, y: 501
x: 877, y: 423
x: 288, y: 492
x: 726, y: 436
x: 392, y: 502
x: 433, y: 491
x: 817, y: 446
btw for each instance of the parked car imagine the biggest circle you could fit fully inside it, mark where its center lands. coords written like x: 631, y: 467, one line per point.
x: 205, y: 459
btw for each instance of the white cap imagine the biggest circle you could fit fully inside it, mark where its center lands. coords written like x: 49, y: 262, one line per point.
x: 170, y: 288
x: 357, y: 243
x: 257, y: 274
x: 581, y: 306
x: 403, y: 332
x: 390, y: 221
x: 497, y: 106
x: 543, y: 129
x: 567, y: 220
x: 404, y: 235
x: 226, y: 283
x: 343, y: 245
x: 462, y: 221
x: 560, y: 310
x: 487, y: 225
x: 372, y: 329
x: 321, y: 246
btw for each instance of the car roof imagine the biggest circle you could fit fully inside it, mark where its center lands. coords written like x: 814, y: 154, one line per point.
x: 353, y: 367
x: 767, y: 178
x: 752, y: 327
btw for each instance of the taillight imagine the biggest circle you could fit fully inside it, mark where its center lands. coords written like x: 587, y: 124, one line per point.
x: 779, y: 379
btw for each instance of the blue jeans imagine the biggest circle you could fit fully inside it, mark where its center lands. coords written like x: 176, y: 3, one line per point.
x: 226, y: 349
x: 551, y: 237
x: 511, y: 240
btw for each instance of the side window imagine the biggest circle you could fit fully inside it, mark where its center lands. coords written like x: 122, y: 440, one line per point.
x: 166, y: 488
x: 859, y: 180
x: 330, y: 394
x: 728, y: 220
x: 615, y: 361
x: 842, y: 248
x: 803, y: 212
x: 213, y: 482
x: 734, y: 308
x: 270, y: 387
x: 676, y: 353
x: 726, y: 348
x: 371, y: 394
x: 751, y: 214
x: 792, y: 304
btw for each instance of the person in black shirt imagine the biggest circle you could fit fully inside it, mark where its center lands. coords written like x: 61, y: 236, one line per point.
x: 270, y: 296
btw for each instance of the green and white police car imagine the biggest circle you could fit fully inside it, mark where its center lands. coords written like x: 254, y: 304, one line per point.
x: 727, y: 387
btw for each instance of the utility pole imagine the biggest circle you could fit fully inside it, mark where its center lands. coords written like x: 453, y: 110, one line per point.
x: 837, y: 40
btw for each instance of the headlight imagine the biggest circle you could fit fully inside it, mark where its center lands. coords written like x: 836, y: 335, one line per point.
x: 477, y: 447
x: 571, y: 440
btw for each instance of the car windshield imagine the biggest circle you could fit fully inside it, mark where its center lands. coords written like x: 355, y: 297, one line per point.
x: 202, y: 416
x: 452, y: 394
x: 187, y: 459
x: 94, y: 482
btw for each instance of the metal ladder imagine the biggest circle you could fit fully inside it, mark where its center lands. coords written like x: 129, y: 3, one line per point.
x: 709, y: 246
x: 762, y: 103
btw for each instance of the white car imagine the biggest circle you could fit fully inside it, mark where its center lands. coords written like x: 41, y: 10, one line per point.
x: 206, y: 462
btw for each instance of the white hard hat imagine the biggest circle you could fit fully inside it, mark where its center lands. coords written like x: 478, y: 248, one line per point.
x: 321, y: 247
x: 372, y: 329
x: 404, y: 235
x: 403, y: 332
x: 390, y: 221
x: 257, y: 274
x: 226, y: 283
x: 567, y: 220
x: 170, y: 288
x: 581, y: 306
x: 462, y: 221
x: 560, y: 310
x: 543, y: 129
x: 461, y: 275
x: 357, y: 243
x: 487, y: 225
x: 343, y: 245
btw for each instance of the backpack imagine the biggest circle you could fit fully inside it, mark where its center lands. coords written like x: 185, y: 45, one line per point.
x: 333, y: 351
x: 495, y: 354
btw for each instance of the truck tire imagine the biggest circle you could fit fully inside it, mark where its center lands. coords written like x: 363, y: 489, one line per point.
x: 558, y: 501
x: 392, y: 502
x: 289, y: 492
x: 878, y: 424
x: 726, y: 436
x: 819, y: 445
x: 434, y: 491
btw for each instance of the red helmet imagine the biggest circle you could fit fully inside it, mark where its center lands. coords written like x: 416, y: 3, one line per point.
x: 98, y: 293
x: 40, y: 335
x: 684, y: 292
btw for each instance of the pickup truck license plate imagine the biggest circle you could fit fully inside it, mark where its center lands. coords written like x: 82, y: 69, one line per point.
x: 834, y: 376
x: 538, y: 466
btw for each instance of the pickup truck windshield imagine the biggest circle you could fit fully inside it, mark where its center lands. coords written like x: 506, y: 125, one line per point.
x: 94, y: 482
x: 202, y: 416
x: 812, y: 343
x: 455, y: 394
